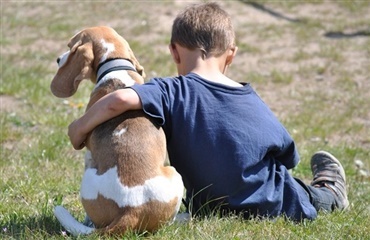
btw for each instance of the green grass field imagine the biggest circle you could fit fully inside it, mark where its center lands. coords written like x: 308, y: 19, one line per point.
x: 309, y: 60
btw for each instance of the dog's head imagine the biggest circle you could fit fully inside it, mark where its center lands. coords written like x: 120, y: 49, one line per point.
x: 87, y: 49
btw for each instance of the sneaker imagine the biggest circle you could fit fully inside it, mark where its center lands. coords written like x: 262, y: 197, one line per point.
x: 328, y: 172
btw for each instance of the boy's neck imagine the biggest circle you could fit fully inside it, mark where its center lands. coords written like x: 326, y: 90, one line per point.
x: 211, y: 68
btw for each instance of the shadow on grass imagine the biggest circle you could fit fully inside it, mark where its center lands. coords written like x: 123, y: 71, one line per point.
x: 272, y: 12
x: 329, y: 34
x: 19, y: 228
x: 340, y: 35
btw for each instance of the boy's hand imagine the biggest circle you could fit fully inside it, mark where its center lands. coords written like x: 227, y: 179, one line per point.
x: 75, y: 136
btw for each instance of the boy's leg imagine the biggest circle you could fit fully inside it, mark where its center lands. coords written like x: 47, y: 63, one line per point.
x: 321, y: 198
x: 328, y: 188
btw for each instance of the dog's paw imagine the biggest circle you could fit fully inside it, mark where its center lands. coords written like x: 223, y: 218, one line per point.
x: 183, y: 218
x: 87, y: 222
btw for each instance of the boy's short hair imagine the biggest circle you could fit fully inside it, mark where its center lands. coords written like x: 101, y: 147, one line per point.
x: 206, y: 27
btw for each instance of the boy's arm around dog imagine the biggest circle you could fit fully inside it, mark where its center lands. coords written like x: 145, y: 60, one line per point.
x: 104, y: 109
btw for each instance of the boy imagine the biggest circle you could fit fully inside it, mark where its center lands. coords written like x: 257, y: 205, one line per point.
x: 230, y: 149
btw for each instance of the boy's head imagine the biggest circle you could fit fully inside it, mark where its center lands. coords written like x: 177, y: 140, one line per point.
x: 206, y: 27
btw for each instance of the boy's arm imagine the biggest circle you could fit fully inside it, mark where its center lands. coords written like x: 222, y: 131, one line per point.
x: 289, y: 156
x: 104, y: 109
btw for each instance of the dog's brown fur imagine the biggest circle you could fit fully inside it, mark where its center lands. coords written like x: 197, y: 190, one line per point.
x: 139, y: 156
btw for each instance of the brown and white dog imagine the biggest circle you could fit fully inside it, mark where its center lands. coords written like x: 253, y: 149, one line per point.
x: 125, y: 185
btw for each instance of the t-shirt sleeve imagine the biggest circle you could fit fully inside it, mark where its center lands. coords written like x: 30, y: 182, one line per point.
x: 289, y: 157
x: 154, y: 99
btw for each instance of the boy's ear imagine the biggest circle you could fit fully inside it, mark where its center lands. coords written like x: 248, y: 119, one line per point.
x: 230, y: 55
x: 174, y: 53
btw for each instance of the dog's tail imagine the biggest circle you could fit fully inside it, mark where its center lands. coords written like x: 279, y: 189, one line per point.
x: 70, y: 223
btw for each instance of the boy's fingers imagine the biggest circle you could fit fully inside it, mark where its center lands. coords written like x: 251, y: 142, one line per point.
x: 82, y: 145
x: 78, y: 145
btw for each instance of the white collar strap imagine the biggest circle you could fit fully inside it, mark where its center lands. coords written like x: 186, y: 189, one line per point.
x: 113, y: 65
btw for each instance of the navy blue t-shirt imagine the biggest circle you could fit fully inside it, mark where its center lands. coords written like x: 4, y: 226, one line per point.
x: 228, y: 146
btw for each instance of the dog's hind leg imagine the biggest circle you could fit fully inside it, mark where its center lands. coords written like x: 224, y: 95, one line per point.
x: 119, y: 226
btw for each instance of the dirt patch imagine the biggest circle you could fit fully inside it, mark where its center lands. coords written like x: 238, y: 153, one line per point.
x: 9, y: 104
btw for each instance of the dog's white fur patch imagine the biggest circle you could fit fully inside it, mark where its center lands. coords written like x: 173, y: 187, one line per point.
x: 109, y: 186
x: 119, y: 133
x: 120, y: 74
x: 108, y: 47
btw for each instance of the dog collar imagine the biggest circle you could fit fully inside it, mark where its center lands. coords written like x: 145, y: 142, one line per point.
x: 113, y: 65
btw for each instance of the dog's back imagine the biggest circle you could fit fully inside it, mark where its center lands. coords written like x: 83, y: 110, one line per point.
x: 132, y: 138
x: 132, y: 148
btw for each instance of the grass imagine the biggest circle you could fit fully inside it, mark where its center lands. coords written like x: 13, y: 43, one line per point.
x: 317, y: 86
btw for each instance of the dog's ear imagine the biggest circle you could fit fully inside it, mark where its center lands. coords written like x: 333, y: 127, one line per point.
x: 75, y: 45
x: 138, y: 67
x: 140, y: 70
x: 77, y: 67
